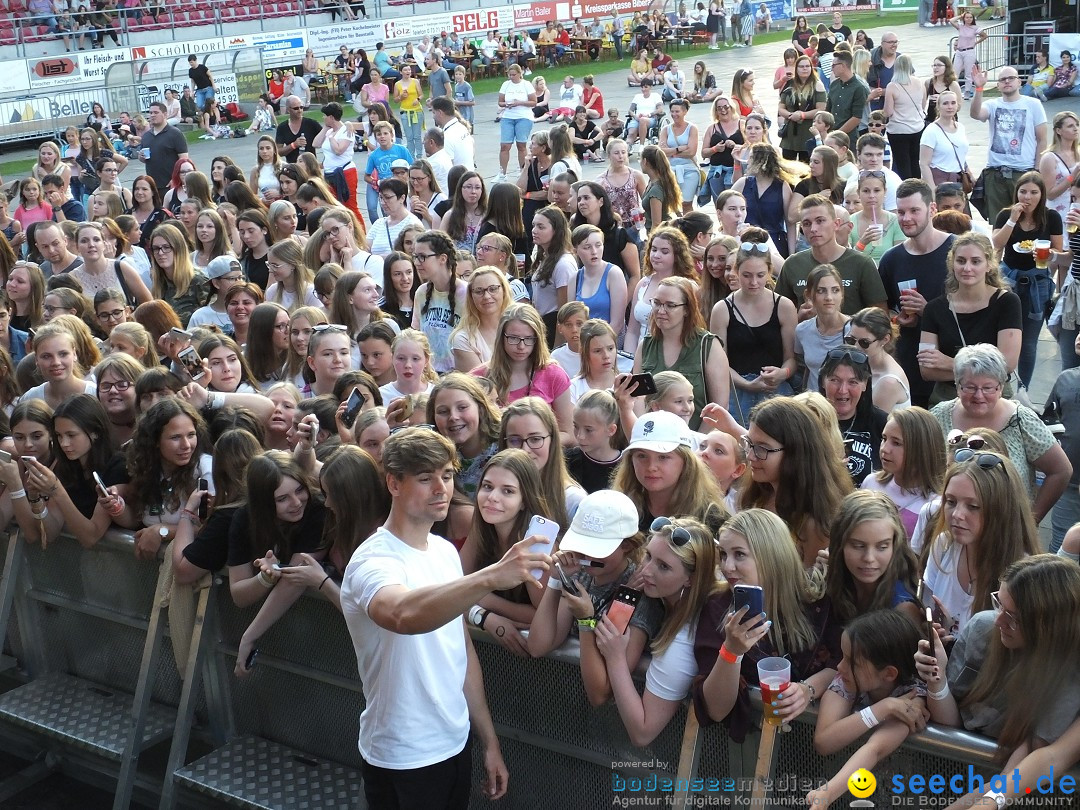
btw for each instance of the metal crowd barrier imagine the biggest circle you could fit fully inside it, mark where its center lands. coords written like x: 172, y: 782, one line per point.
x: 99, y: 697
x: 996, y: 51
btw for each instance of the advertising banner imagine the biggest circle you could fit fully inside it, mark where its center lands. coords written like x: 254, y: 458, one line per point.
x: 174, y: 49
x: 76, y: 68
x: 825, y: 7
x: 277, y: 46
x: 899, y: 5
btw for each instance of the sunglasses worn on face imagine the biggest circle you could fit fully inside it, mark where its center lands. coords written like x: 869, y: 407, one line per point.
x: 863, y: 342
x: 679, y: 536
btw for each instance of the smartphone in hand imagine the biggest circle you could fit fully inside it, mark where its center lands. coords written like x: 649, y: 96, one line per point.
x: 622, y: 607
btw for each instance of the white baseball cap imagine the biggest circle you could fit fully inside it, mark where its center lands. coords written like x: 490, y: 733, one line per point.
x: 661, y: 432
x: 603, y: 520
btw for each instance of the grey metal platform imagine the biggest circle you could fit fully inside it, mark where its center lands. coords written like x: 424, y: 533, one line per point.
x: 82, y: 714
x: 256, y: 773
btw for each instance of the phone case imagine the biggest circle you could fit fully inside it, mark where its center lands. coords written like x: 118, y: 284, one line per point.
x: 548, y: 529
x: 751, y: 596
x: 622, y: 608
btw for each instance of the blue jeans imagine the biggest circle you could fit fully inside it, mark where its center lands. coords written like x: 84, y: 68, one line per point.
x: 743, y: 401
x: 1065, y: 513
x: 1035, y: 289
x: 372, y: 200
x: 203, y: 96
x: 720, y: 179
x: 412, y: 126
x: 1066, y: 341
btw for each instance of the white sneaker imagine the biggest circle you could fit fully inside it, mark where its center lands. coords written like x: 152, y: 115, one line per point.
x: 927, y: 25
x: 499, y: 178
x: 528, y: 72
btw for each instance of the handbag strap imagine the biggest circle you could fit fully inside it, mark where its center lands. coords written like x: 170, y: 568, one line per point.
x: 959, y: 162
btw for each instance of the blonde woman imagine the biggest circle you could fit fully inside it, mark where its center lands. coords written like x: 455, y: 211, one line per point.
x: 1060, y: 164
x: 50, y: 162
x: 473, y: 340
x: 292, y: 283
x: 905, y: 107
x: 175, y: 281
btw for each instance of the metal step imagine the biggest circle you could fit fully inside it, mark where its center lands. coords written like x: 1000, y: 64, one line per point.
x: 256, y: 773
x: 81, y: 714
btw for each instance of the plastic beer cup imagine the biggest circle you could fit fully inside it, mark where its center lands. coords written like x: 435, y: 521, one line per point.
x: 774, y: 676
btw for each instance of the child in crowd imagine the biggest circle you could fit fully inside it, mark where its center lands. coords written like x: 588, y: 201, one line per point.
x: 463, y: 96
x: 376, y: 341
x: 413, y: 373
x: 600, y: 441
x: 876, y: 688
x: 725, y: 457
x: 674, y: 394
x: 599, y: 359
x: 568, y: 322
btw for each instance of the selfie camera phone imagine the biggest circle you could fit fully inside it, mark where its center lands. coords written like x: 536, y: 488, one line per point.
x: 568, y: 584
x: 642, y: 385
x: 192, y: 363
x: 352, y: 408
x: 930, y: 634
x: 176, y: 333
x: 752, y: 597
x: 204, y: 507
x: 102, y: 491
x: 549, y: 530
x: 622, y: 608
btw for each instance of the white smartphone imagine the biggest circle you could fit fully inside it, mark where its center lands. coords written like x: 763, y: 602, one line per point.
x: 547, y: 529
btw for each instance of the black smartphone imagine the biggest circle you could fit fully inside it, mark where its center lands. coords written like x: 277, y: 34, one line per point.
x: 568, y: 584
x: 642, y: 385
x: 192, y: 363
x: 352, y: 408
x: 622, y: 607
x: 752, y: 597
x: 250, y: 662
x: 204, y: 506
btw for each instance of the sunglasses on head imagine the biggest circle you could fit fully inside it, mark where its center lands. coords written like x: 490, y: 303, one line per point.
x: 407, y: 427
x: 851, y: 355
x: 752, y: 247
x: 329, y: 327
x: 956, y: 439
x: 985, y: 460
x: 679, y: 536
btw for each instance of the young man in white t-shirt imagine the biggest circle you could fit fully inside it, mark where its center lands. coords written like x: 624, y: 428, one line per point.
x: 870, y: 153
x: 403, y: 597
x: 644, y: 107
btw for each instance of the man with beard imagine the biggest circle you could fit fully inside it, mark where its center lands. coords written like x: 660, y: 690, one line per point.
x: 913, y: 273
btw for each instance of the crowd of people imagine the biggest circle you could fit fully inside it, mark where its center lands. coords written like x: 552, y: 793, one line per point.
x: 530, y: 400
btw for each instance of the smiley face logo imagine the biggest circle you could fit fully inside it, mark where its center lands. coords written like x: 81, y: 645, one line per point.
x: 862, y: 783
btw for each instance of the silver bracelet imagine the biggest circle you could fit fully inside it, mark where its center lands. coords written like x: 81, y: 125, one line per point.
x: 44, y: 514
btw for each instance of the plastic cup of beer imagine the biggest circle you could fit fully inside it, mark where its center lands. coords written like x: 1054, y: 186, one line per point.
x: 1042, y: 253
x: 1074, y: 210
x: 774, y: 676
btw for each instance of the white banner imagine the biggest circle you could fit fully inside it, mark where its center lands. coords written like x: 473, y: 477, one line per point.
x: 73, y: 69
x: 359, y: 34
x: 1062, y: 42
x: 167, y: 49
x: 225, y: 93
x: 277, y: 46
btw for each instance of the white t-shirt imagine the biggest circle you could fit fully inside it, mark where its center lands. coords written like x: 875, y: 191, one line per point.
x: 208, y: 316
x: 940, y: 575
x: 516, y: 91
x: 1012, y: 131
x: 646, y: 106
x: 416, y: 714
x: 571, y: 364
x: 288, y: 299
x: 572, y: 96
x: 383, y: 234
x: 38, y: 391
x: 544, y: 295
x: 942, y: 142
x: 364, y: 262
x: 671, y: 672
x: 458, y: 141
x: 391, y: 392
x: 332, y: 161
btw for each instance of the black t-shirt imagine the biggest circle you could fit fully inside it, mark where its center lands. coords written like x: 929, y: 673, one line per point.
x: 210, y: 548
x: 83, y: 493
x: 1026, y: 261
x: 862, y: 440
x: 165, y: 148
x: 843, y: 33
x: 614, y: 242
x: 256, y: 270
x: 306, y: 535
x: 201, y: 76
x: 284, y: 135
x: 593, y: 475
x: 1003, y: 312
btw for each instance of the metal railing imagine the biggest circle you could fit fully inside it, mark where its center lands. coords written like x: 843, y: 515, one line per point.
x: 996, y: 51
x: 89, y: 613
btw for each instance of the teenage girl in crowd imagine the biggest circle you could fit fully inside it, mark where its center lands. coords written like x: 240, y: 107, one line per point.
x: 599, y: 438
x: 460, y: 410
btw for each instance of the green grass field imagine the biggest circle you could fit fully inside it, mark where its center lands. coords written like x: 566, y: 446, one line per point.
x: 869, y: 20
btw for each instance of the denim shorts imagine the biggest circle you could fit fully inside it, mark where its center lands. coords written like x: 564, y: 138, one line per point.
x: 515, y: 129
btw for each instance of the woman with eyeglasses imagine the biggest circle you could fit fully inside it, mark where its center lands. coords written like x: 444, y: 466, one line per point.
x: 757, y: 327
x: 977, y: 307
x: 721, y: 138
x: 521, y: 366
x: 496, y: 250
x: 784, y: 445
x: 345, y: 237
x: 1011, y: 673
x: 425, y: 193
x: 146, y: 208
x: 175, y: 280
x: 116, y: 375
x: 110, y: 309
x: 678, y: 341
x: 983, y: 527
x: 872, y: 331
x: 474, y: 338
x: 845, y: 381
x: 393, y: 194
x: 98, y: 272
x: 108, y: 170
x: 981, y: 375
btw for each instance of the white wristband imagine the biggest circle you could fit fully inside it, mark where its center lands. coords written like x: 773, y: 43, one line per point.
x: 18, y: 493
x: 944, y: 693
x: 1011, y: 223
x: 555, y: 583
x: 868, y: 717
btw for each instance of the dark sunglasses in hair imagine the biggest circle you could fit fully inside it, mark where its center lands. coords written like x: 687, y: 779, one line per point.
x: 985, y: 460
x: 679, y: 535
x: 851, y: 355
x: 956, y: 439
x: 406, y: 427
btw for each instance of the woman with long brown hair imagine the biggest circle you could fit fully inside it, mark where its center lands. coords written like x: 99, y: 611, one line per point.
x: 800, y: 99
